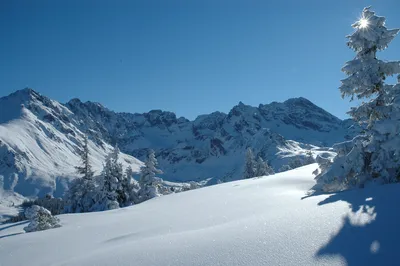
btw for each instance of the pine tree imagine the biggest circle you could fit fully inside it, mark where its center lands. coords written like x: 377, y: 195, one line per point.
x: 111, y: 194
x: 40, y: 219
x: 284, y: 168
x: 132, y: 186
x: 295, y: 163
x: 262, y: 168
x: 309, y: 158
x: 250, y: 166
x: 80, y: 194
x: 85, y: 169
x: 121, y: 191
x: 374, y: 154
x: 149, y: 183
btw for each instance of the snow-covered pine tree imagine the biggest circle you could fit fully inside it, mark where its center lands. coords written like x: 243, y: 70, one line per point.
x: 295, y: 163
x: 40, y: 219
x: 81, y: 192
x: 284, y: 168
x: 149, y: 183
x: 123, y: 186
x: 262, y: 168
x: 110, y: 193
x: 250, y: 166
x: 376, y: 154
x: 133, y: 186
x: 85, y: 169
x: 309, y: 158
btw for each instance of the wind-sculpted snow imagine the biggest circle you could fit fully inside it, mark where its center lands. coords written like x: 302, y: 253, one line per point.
x: 39, y: 139
x: 260, y: 221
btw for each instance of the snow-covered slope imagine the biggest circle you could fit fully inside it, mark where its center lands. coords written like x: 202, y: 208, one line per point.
x: 39, y: 138
x: 10, y: 204
x: 39, y: 145
x: 262, y: 221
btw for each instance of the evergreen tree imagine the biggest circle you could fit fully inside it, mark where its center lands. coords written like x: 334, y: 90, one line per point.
x: 85, y: 169
x: 40, y: 219
x: 250, y: 166
x: 374, y: 155
x: 262, y: 168
x: 149, y: 183
x: 295, y: 163
x: 309, y: 158
x: 122, y: 184
x: 111, y: 193
x: 284, y: 168
x: 80, y: 194
x: 132, y: 186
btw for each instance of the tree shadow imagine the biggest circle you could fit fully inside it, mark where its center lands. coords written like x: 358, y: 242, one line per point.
x: 12, y: 225
x: 370, y: 233
x: 15, y: 234
x: 5, y: 226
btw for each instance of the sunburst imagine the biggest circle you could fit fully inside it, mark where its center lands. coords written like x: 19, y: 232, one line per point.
x: 363, y: 23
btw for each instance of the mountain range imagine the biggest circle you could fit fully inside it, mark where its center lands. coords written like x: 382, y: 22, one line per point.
x: 40, y: 139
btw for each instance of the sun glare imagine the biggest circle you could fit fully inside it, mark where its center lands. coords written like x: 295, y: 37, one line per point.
x: 363, y: 23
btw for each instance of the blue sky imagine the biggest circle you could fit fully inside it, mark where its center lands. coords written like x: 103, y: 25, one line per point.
x: 190, y: 56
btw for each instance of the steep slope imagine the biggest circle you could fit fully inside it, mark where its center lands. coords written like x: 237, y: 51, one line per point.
x: 264, y: 221
x: 39, y: 145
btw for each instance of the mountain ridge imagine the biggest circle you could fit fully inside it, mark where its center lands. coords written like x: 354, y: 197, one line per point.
x: 210, y: 146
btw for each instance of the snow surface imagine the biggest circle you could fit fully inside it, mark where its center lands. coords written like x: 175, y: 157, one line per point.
x: 261, y: 221
x: 10, y: 204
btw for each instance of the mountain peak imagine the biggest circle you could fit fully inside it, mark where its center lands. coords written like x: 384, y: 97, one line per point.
x: 26, y: 90
x: 74, y: 101
x: 299, y: 101
x: 24, y: 94
x: 11, y: 105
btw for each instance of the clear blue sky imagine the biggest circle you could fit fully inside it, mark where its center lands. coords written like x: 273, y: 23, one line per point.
x: 189, y: 56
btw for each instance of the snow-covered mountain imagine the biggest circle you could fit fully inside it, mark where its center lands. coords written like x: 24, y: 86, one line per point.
x: 39, y: 145
x: 260, y: 221
x: 39, y: 138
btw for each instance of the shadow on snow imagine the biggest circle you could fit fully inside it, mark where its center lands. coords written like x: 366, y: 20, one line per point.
x: 370, y: 234
x: 6, y: 226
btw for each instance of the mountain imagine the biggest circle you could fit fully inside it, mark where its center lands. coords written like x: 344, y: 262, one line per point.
x: 40, y: 137
x: 39, y: 145
x: 260, y: 221
x: 213, y: 145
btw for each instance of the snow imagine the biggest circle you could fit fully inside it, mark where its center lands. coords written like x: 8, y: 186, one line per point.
x: 9, y: 204
x: 44, y: 157
x: 39, y: 138
x: 260, y: 221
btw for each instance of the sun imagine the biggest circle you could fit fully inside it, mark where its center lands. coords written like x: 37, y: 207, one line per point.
x: 363, y: 23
